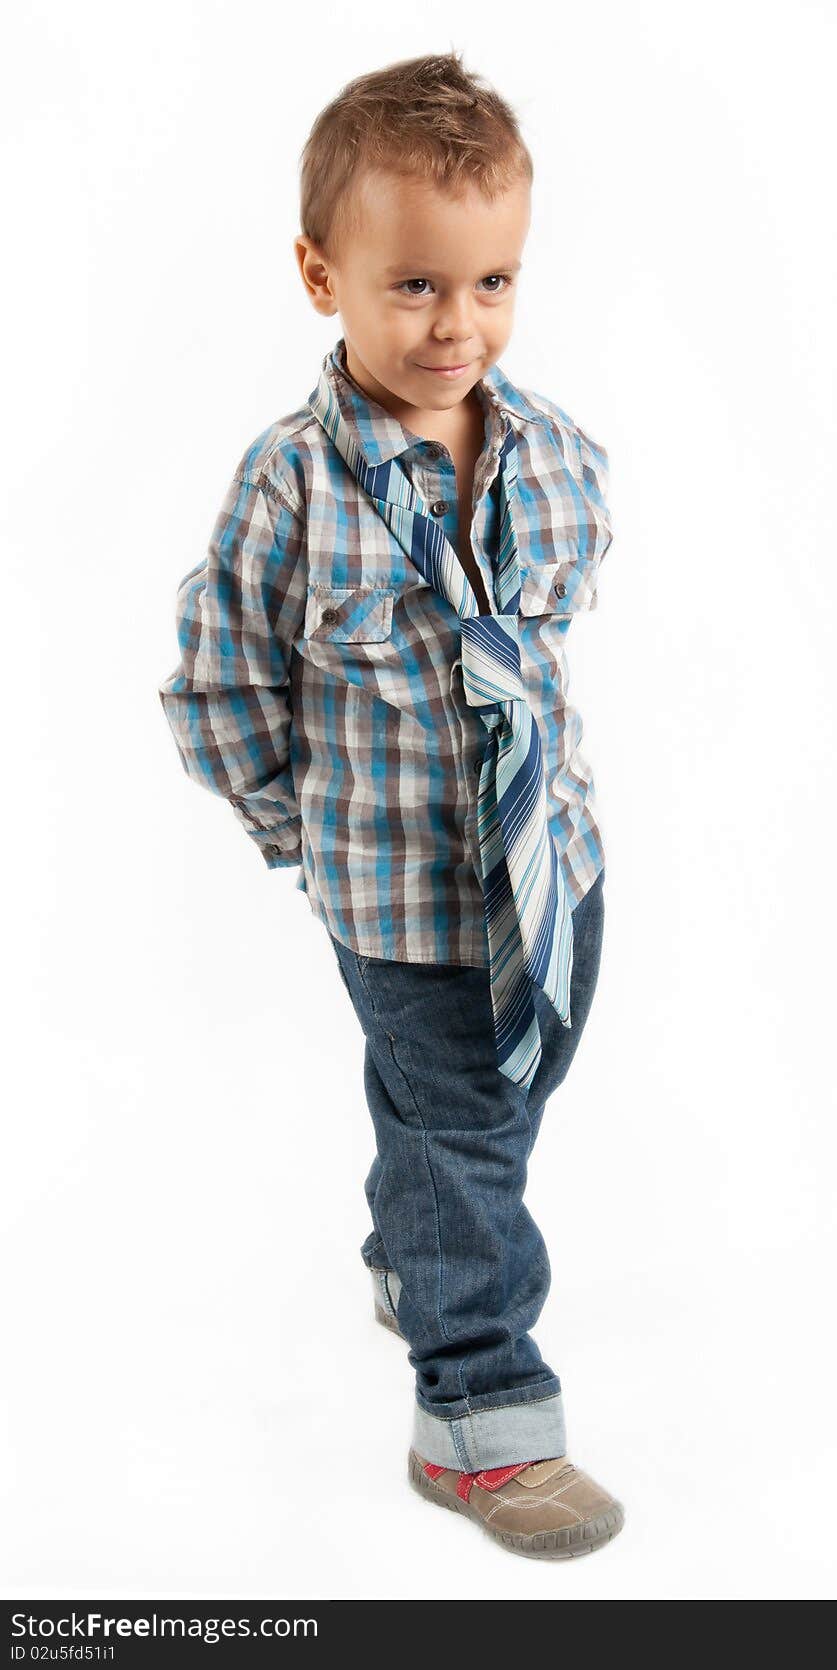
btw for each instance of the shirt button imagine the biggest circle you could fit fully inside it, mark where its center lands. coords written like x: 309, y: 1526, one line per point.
x: 560, y: 588
x: 439, y: 508
x: 478, y: 766
x: 329, y: 617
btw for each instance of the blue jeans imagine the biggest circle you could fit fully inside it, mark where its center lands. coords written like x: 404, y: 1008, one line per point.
x: 445, y: 1193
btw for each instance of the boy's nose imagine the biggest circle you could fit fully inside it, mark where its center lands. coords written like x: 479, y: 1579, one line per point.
x: 455, y: 327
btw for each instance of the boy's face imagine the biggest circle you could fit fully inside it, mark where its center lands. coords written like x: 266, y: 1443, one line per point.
x: 425, y: 279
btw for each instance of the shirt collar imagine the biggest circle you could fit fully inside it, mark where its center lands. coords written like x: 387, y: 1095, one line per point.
x: 378, y: 435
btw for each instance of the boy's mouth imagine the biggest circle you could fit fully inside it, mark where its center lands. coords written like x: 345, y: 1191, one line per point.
x: 446, y: 370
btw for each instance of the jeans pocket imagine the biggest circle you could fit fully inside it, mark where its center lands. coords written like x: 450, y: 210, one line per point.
x: 364, y: 962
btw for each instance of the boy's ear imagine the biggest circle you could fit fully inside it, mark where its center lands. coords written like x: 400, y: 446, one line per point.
x: 314, y: 272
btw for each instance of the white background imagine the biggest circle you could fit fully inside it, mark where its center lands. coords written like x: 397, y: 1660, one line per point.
x: 196, y: 1401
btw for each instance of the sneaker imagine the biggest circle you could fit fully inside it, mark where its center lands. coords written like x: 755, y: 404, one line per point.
x: 548, y: 1510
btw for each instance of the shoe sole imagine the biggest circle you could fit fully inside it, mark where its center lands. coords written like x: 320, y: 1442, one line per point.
x: 568, y: 1543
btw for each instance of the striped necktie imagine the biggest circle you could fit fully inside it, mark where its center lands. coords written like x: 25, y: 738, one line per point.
x: 528, y: 916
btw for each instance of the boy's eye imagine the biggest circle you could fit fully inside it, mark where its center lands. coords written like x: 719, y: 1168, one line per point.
x: 496, y: 289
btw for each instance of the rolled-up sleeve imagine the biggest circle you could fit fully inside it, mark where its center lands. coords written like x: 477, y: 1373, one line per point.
x: 227, y: 701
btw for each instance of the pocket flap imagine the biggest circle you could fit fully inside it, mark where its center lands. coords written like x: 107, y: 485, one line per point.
x: 349, y: 615
x: 559, y: 587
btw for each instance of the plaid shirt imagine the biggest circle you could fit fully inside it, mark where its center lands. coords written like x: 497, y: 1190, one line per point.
x: 320, y: 691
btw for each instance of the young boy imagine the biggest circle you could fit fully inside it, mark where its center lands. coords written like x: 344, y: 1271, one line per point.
x: 373, y: 674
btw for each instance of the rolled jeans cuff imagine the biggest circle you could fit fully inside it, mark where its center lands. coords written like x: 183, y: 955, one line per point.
x: 387, y: 1286
x: 497, y: 1437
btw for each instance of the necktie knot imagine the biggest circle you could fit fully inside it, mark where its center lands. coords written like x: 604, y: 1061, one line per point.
x: 491, y: 660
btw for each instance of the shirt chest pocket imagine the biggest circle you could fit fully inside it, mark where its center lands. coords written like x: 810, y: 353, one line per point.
x: 385, y: 637
x: 568, y: 536
x: 348, y: 614
x: 558, y: 586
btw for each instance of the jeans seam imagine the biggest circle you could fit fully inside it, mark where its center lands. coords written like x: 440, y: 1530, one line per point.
x: 460, y: 1446
x: 378, y: 1245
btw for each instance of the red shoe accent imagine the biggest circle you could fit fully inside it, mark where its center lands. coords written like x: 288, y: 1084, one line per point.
x: 491, y: 1478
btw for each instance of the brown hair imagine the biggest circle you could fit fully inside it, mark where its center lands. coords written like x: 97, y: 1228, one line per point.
x: 424, y: 117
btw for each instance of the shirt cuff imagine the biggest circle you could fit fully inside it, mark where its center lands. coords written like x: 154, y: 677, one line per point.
x: 280, y: 847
